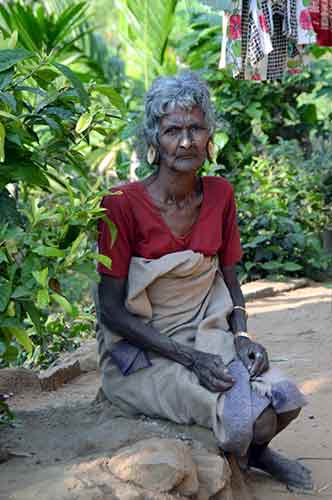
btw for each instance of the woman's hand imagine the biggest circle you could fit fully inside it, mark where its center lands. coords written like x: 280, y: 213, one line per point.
x: 211, y: 372
x: 253, y: 355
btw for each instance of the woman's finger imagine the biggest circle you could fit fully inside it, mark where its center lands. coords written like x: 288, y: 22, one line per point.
x: 218, y: 385
x: 265, y: 364
x: 214, y: 384
x: 244, y: 356
x: 222, y: 373
x: 257, y: 364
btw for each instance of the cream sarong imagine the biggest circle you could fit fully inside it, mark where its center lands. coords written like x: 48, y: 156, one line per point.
x: 184, y: 295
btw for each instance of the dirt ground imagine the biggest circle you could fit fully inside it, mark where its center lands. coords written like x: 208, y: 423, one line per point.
x: 60, y: 428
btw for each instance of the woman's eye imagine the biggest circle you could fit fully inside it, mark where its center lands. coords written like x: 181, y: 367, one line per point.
x: 171, y: 131
x: 197, y: 128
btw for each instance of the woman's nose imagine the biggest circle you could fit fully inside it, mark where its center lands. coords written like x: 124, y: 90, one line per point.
x: 185, y: 141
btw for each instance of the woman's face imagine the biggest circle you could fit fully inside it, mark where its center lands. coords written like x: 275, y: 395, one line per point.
x: 183, y: 140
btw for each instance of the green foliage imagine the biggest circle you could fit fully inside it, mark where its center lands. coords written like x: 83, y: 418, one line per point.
x: 52, y: 242
x: 279, y: 211
x: 145, y: 28
x: 42, y: 30
x: 49, y: 124
x: 273, y: 143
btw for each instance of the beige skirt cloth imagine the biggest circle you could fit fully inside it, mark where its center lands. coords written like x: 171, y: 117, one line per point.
x: 184, y: 295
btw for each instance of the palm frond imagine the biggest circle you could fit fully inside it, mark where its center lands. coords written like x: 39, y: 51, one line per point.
x: 145, y: 28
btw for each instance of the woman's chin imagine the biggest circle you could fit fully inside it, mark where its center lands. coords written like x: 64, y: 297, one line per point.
x: 189, y: 165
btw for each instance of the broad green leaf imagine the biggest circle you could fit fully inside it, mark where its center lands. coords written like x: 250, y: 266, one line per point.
x: 10, y: 57
x: 256, y: 241
x: 22, y: 337
x: 41, y: 277
x: 20, y: 292
x: 71, y: 232
x: 3, y: 257
x: 21, y: 171
x: 11, y: 354
x: 34, y: 314
x: 77, y: 242
x: 8, y: 99
x: 53, y: 124
x: 112, y: 228
x: 83, y: 122
x: 47, y: 251
x: 2, y: 142
x: 104, y: 260
x: 63, y: 302
x: 46, y: 74
x: 6, y: 78
x: 42, y: 298
x: 114, y: 97
x: 8, y: 115
x: 291, y: 266
x: 220, y: 139
x: 271, y: 266
x: 308, y: 113
x: 76, y: 83
x: 249, y: 265
x: 13, y: 40
x: 5, y: 292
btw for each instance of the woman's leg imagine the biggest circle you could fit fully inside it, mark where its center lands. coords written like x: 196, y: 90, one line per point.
x: 291, y: 472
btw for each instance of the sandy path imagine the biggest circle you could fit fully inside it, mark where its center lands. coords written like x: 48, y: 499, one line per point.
x: 56, y: 428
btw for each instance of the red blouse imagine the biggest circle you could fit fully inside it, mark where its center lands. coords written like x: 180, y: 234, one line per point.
x: 142, y: 232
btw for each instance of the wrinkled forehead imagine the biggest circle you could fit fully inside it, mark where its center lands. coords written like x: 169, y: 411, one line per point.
x: 177, y: 115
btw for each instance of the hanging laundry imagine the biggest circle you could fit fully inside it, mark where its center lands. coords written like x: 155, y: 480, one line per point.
x: 264, y: 39
x: 321, y: 16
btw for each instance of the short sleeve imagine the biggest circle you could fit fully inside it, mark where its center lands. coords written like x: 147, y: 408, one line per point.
x: 119, y: 212
x: 231, y: 251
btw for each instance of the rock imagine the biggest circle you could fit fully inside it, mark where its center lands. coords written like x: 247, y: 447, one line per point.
x: 94, y: 481
x: 55, y: 376
x: 18, y: 380
x: 213, y: 473
x: 225, y: 494
x: 267, y: 288
x: 70, y: 366
x: 157, y: 464
x: 86, y: 355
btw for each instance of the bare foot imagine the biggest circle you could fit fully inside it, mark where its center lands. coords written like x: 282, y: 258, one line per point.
x: 290, y: 472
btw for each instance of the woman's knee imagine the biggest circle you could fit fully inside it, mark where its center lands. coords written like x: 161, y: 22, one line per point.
x: 265, y: 427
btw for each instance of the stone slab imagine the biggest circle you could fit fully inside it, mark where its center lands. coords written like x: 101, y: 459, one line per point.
x: 18, y: 380
x: 266, y: 288
x: 55, y: 376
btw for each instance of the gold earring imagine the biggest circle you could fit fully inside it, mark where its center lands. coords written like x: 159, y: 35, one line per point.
x: 151, y: 156
x: 210, y: 151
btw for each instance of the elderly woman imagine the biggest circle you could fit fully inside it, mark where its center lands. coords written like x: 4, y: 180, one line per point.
x: 172, y: 330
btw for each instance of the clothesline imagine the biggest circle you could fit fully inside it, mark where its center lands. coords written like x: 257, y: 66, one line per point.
x: 266, y: 39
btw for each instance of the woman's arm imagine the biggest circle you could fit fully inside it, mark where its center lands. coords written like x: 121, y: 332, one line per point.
x: 209, y: 368
x: 252, y: 354
x: 238, y: 318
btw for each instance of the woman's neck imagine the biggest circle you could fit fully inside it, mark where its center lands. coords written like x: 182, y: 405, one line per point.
x: 174, y: 186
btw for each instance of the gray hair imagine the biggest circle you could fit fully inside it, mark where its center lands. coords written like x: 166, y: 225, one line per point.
x: 169, y: 92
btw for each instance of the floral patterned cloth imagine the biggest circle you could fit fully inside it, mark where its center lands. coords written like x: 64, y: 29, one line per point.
x: 264, y: 39
x: 321, y: 16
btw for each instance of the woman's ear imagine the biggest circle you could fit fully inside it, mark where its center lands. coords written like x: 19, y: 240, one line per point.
x: 210, y: 151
